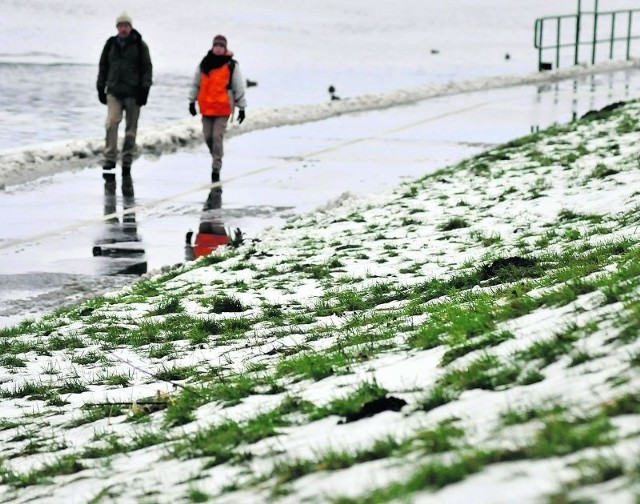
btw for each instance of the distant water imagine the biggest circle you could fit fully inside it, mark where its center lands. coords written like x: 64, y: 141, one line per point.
x: 66, y: 107
x: 49, y: 52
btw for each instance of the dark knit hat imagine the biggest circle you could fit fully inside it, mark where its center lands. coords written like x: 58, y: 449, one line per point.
x: 220, y: 39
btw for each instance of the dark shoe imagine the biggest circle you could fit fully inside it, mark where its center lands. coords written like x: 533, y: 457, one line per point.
x: 215, y: 176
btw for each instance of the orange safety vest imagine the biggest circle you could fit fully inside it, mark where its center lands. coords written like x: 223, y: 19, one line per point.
x: 207, y: 243
x: 213, y: 97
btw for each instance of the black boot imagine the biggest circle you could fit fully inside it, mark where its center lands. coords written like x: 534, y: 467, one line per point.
x: 215, y: 175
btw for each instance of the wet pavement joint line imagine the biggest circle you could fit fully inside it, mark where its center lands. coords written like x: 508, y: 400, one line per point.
x: 150, y: 204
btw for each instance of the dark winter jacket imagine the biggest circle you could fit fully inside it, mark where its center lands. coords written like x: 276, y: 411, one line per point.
x: 125, y: 69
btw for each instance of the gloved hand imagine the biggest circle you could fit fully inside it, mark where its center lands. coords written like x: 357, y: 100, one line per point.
x: 141, y: 98
x: 102, y: 96
x: 192, y: 108
x: 241, y: 116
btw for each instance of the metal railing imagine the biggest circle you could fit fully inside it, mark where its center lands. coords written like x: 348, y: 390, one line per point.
x: 575, y: 28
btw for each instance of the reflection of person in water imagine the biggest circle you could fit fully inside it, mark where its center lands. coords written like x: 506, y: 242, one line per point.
x: 212, y: 231
x: 120, y: 243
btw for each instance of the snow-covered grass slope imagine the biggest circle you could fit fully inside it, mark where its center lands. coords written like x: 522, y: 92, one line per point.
x: 470, y: 336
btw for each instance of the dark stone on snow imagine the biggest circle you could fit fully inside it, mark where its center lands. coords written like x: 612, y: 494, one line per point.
x: 374, y: 407
x: 347, y: 246
x: 510, y: 269
x: 603, y: 112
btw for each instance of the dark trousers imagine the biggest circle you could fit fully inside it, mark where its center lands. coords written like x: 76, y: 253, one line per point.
x: 115, y: 110
x: 213, y: 129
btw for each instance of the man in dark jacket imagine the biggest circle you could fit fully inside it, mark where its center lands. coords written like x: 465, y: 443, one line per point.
x: 124, y: 79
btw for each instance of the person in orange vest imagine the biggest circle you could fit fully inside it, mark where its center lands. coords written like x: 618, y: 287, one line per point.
x: 212, y: 231
x: 218, y: 87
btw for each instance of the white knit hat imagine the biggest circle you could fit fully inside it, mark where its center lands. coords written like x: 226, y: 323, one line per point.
x: 124, y: 18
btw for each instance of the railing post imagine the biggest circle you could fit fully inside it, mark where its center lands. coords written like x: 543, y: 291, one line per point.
x: 540, y: 44
x: 535, y: 39
x: 613, y: 34
x: 578, y: 26
x: 629, y: 35
x: 595, y: 33
x: 558, y: 38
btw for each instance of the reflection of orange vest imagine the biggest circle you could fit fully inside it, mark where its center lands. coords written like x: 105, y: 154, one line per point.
x: 213, y: 98
x: 207, y: 243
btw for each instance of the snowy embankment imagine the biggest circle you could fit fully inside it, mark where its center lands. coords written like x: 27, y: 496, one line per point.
x: 468, y: 337
x: 30, y: 162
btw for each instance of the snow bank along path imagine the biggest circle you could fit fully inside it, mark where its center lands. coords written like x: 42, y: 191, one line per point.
x: 30, y: 162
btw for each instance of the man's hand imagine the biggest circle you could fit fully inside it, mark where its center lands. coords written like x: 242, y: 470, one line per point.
x: 241, y: 116
x: 192, y: 108
x: 141, y: 98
